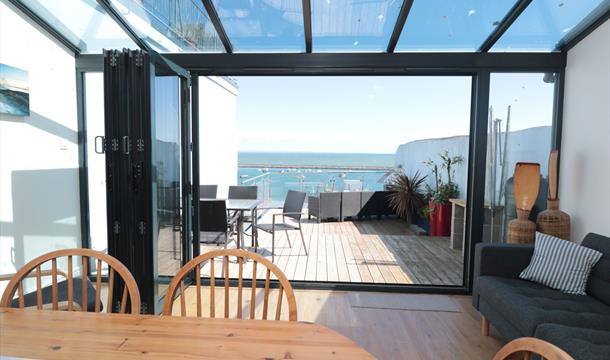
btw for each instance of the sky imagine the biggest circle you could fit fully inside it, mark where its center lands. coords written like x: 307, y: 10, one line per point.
x: 375, y: 114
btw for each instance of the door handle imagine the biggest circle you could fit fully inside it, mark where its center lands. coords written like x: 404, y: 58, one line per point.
x: 126, y: 145
x: 101, y: 142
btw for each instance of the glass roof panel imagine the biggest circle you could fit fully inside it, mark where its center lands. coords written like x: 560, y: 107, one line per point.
x: 545, y: 22
x: 264, y: 25
x: 449, y: 25
x: 84, y: 23
x: 171, y: 25
x: 353, y: 25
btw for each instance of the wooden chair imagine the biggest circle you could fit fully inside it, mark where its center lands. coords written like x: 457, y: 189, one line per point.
x: 241, y: 255
x: 114, y: 266
x: 528, y: 346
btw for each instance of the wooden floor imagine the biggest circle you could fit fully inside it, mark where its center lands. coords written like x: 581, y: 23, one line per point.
x: 416, y: 333
x: 369, y: 251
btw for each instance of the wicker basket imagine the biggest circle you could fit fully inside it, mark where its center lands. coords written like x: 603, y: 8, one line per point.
x: 521, y: 230
x: 553, y: 221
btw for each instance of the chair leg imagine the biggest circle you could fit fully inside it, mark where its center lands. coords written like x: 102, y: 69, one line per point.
x: 303, y: 240
x: 272, y: 246
x: 288, y: 238
x: 485, y: 326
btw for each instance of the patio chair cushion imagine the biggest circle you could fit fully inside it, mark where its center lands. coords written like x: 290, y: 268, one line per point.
x: 525, y: 305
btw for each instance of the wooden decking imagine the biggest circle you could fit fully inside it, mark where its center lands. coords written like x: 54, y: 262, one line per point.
x: 369, y: 251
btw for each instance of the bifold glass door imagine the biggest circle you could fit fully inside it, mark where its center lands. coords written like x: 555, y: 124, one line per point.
x: 138, y: 169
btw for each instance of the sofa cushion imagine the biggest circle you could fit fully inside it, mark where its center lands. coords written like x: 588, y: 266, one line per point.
x: 526, y: 305
x: 561, y: 264
x: 580, y: 343
x: 598, y: 285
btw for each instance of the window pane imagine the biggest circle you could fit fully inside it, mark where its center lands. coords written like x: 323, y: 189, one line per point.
x: 263, y: 26
x: 521, y: 128
x: 171, y: 26
x: 84, y: 23
x: 545, y: 22
x: 449, y: 25
x: 351, y: 26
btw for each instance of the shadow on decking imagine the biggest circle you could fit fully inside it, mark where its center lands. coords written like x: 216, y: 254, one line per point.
x: 384, y: 226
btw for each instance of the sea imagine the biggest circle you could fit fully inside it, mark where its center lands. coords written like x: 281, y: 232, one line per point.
x: 277, y: 172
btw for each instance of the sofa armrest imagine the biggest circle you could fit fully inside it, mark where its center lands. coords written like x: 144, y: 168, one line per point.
x: 503, y: 260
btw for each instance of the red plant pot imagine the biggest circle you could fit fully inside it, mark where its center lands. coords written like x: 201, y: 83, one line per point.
x: 440, y: 219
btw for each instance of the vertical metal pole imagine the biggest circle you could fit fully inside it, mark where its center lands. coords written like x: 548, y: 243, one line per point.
x: 195, y: 157
x: 82, y: 159
x: 187, y: 186
x: 558, y: 115
x: 477, y: 154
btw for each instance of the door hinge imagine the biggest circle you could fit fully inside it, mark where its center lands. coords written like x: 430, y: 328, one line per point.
x: 142, y: 227
x: 116, y: 227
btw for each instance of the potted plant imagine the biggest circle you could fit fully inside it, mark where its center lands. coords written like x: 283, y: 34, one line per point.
x: 438, y: 204
x: 406, y: 196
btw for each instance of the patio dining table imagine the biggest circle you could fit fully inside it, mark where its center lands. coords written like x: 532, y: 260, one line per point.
x: 241, y: 206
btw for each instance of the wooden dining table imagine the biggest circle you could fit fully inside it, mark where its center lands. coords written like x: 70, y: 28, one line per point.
x: 43, y: 334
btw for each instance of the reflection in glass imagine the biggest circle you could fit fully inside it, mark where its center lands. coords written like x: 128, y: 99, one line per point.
x: 171, y: 25
x: 84, y: 23
x: 353, y: 26
x: 520, y: 130
x: 545, y: 22
x: 166, y: 175
x: 263, y: 26
x: 448, y: 25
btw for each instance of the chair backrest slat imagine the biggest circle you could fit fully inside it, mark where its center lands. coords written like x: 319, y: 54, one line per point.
x: 70, y: 285
x: 182, y: 302
x: 124, y: 300
x: 226, y: 269
x: 130, y: 294
x: 266, y: 295
x: 278, y: 308
x: 212, y: 288
x: 38, y: 288
x: 20, y: 290
x: 110, y: 286
x: 54, y: 283
x: 98, y: 285
x: 253, y: 293
x: 242, y: 256
x: 198, y: 282
x: 239, y: 287
x: 84, y: 302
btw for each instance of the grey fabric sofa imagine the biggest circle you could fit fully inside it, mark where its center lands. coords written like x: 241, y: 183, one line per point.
x: 578, y: 324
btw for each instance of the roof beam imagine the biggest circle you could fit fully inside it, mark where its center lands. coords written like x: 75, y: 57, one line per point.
x: 220, y: 30
x: 400, y: 24
x: 508, y: 20
x: 307, y: 25
x: 124, y: 25
x: 581, y: 31
x: 45, y: 26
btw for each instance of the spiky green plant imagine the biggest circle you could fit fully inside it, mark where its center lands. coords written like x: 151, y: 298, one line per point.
x: 406, y: 196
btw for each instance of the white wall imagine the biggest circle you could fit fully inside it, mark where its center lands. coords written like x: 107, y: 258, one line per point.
x: 217, y: 133
x: 584, y: 187
x: 39, y: 186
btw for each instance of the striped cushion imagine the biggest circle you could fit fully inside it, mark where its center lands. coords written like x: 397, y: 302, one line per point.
x: 560, y: 264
